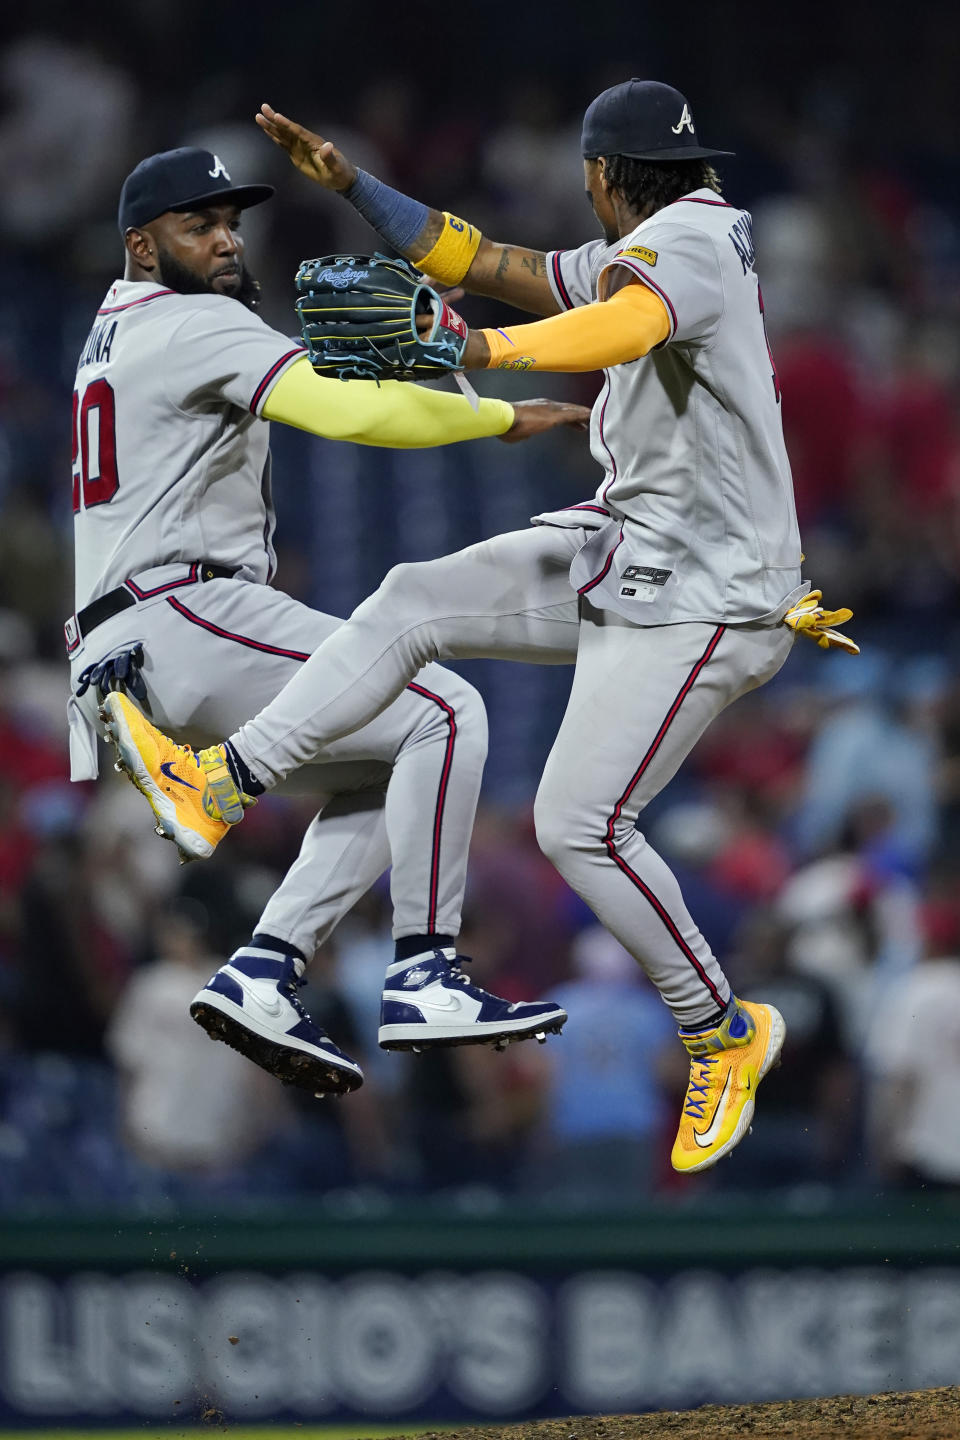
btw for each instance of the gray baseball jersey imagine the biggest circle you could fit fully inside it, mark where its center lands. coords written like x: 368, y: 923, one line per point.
x: 171, y: 462
x: 171, y: 466
x: 697, y: 482
x: 683, y: 560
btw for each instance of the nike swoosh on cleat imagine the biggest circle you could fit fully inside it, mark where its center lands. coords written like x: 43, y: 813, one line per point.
x: 706, y: 1137
x: 449, y: 1002
x: 165, y: 769
x: 273, y: 1008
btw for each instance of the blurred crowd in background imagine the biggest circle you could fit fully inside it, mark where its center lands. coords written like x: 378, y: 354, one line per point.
x: 815, y: 831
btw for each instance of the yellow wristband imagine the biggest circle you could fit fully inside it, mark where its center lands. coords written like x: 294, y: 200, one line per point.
x: 452, y: 255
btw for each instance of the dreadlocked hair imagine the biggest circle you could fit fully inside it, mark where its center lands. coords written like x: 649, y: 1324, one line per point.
x: 655, y: 183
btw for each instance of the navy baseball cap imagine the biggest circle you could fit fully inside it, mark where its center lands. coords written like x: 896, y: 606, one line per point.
x: 642, y: 119
x: 184, y: 179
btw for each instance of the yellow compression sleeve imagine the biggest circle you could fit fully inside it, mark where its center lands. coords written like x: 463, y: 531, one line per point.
x: 592, y: 337
x: 394, y: 414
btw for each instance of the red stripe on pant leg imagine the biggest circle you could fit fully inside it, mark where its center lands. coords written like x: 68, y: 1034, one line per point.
x: 441, y: 798
x: 608, y: 839
x: 448, y: 710
x: 261, y: 645
x: 664, y: 915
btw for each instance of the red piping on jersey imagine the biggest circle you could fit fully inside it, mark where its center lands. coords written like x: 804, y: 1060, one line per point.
x: 144, y: 299
x: 277, y: 365
x: 603, y: 438
x: 448, y: 711
x: 692, y: 200
x: 608, y: 838
x: 189, y: 579
x: 585, y: 589
x: 642, y: 275
x: 261, y: 645
x: 441, y: 799
x: 598, y: 509
x: 558, y: 280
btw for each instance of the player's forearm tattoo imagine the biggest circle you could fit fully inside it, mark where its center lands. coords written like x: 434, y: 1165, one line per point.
x: 536, y: 264
x: 504, y: 263
x: 428, y: 236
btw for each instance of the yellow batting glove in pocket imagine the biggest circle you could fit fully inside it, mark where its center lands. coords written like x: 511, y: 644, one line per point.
x: 808, y: 617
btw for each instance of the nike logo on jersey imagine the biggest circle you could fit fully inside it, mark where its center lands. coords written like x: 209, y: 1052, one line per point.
x: 686, y: 119
x: 218, y: 169
x: 707, y: 1137
x: 166, y: 770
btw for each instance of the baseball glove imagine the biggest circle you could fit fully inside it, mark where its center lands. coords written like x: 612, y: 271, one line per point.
x: 358, y: 316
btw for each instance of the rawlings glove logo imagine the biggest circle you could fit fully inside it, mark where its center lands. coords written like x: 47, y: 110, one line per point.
x: 341, y: 279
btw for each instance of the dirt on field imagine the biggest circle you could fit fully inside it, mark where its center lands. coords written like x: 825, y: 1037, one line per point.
x: 910, y: 1415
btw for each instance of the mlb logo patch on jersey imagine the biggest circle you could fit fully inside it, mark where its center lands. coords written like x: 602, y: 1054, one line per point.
x: 639, y: 252
x: 643, y: 583
x: 647, y: 573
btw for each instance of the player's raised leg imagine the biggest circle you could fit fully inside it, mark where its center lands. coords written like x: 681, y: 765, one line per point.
x: 523, y: 609
x: 505, y: 598
x: 650, y: 693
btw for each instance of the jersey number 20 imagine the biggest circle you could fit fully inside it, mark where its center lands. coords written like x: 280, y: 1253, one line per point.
x: 94, y: 446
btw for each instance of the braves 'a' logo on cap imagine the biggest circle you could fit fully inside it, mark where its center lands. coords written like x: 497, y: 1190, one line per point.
x: 686, y: 119
x: 218, y: 169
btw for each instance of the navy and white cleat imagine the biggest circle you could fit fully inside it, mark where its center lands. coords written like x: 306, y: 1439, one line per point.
x: 428, y: 1001
x: 251, y: 1003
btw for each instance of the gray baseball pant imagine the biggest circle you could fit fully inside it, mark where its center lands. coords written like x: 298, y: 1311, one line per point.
x: 402, y: 790
x: 641, y: 698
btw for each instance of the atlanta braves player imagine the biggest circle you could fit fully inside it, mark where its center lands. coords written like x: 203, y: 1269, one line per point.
x: 669, y: 586
x: 174, y: 555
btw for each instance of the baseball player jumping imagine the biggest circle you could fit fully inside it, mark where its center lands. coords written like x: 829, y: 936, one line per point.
x: 174, y: 558
x: 668, y: 588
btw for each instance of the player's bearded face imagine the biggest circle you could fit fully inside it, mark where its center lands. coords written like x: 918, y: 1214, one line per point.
x: 235, y: 279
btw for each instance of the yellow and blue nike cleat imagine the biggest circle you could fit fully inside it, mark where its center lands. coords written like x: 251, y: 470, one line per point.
x: 192, y: 793
x: 727, y: 1064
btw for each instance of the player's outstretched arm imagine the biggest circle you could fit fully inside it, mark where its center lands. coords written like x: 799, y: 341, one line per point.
x: 592, y: 337
x: 402, y: 416
x: 443, y: 245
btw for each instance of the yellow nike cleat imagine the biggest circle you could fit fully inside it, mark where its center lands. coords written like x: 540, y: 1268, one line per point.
x: 726, y: 1066
x: 192, y: 793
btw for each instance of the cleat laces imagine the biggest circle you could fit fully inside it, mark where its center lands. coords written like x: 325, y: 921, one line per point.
x: 699, y: 1086
x: 454, y: 971
x: 290, y: 989
x: 460, y: 977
